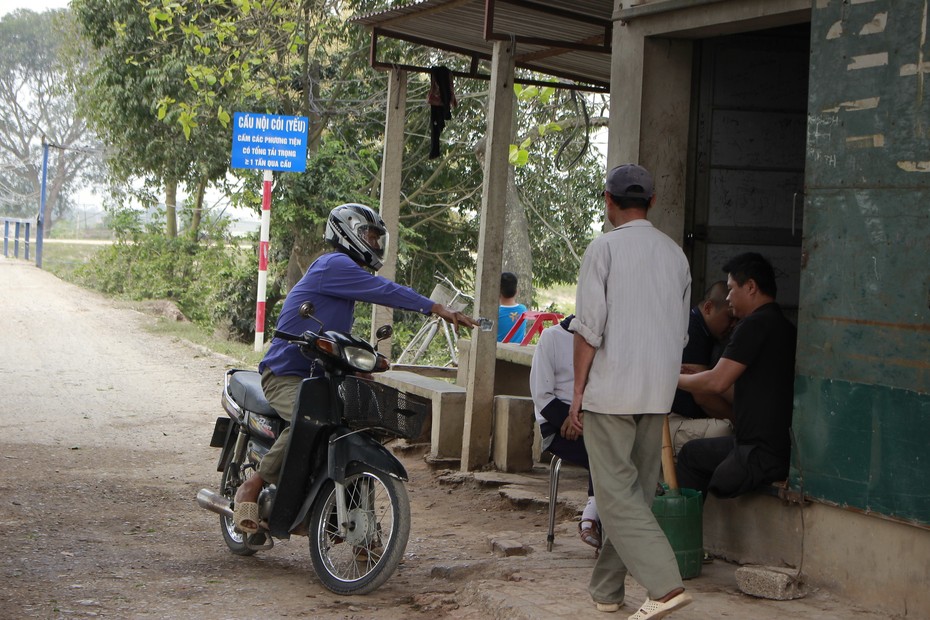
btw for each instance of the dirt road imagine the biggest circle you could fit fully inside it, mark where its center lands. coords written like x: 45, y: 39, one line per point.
x: 103, y: 448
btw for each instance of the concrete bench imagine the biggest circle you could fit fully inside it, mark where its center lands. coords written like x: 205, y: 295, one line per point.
x: 446, y: 425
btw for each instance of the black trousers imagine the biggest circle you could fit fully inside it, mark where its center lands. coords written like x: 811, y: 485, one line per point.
x: 722, y: 466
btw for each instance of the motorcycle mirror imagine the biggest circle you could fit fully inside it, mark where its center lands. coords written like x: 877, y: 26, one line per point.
x: 384, y: 332
x: 306, y: 310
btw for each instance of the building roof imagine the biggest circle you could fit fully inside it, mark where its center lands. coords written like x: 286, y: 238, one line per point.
x: 569, y: 40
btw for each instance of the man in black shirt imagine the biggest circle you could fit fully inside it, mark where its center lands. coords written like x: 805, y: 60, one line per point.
x: 695, y: 416
x: 758, y: 363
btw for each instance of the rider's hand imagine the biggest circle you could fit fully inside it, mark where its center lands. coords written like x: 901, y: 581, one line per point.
x: 453, y: 316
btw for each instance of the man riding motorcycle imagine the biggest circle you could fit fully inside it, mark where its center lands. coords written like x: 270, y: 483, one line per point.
x: 333, y: 283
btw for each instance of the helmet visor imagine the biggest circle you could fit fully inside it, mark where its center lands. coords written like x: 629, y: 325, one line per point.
x: 375, y: 237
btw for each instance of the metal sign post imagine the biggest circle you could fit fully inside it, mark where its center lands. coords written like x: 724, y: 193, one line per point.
x: 40, y: 220
x: 267, y: 142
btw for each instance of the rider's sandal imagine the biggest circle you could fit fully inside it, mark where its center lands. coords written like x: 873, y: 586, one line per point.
x: 245, y: 516
x: 590, y: 532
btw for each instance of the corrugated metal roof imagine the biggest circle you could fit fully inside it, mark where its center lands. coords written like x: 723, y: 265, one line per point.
x: 565, y: 39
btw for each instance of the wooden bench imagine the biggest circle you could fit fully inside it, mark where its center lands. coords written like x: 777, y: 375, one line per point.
x: 446, y: 425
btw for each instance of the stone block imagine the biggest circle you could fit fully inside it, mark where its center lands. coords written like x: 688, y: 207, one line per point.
x: 771, y: 582
x: 505, y: 547
x: 514, y: 424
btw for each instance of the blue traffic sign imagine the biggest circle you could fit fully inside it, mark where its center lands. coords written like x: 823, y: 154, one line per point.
x: 269, y: 142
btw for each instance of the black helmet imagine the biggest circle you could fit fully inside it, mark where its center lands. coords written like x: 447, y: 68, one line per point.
x: 358, y: 231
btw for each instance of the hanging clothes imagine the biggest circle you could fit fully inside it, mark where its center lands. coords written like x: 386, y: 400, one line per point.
x: 441, y: 99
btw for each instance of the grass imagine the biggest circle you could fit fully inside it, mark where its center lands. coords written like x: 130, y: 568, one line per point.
x: 202, y: 336
x: 560, y: 298
x: 63, y: 258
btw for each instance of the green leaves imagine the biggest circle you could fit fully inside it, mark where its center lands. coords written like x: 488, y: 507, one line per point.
x: 529, y: 95
x: 187, y: 119
x: 519, y: 156
x: 162, y: 107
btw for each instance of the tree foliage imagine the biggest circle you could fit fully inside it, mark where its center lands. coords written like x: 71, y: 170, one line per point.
x: 124, y: 97
x: 36, y: 102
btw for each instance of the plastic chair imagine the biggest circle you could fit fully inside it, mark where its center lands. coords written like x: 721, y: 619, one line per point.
x: 555, y: 465
x: 539, y: 320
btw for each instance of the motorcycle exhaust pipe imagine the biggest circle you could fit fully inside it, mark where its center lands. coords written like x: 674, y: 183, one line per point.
x: 214, y: 502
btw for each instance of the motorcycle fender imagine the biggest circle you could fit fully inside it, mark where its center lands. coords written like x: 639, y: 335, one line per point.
x: 229, y: 442
x: 347, y: 455
x: 363, y: 449
x: 220, y: 433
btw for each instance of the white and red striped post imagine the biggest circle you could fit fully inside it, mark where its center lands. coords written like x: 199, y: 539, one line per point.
x: 263, y: 261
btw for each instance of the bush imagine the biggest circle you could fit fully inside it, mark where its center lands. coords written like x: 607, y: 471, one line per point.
x: 152, y: 266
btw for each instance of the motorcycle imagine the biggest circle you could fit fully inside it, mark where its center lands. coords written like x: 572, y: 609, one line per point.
x: 339, y: 485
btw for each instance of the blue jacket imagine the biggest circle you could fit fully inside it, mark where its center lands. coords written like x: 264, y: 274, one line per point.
x: 333, y: 284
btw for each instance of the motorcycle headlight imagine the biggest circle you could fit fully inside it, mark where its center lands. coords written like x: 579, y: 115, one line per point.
x: 361, y: 359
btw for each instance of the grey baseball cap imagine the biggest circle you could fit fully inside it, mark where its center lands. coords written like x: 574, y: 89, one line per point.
x: 630, y: 181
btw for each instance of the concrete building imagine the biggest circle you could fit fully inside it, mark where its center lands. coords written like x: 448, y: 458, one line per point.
x: 800, y: 129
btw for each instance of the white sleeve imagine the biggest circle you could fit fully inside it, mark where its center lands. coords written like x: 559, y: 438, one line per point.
x: 542, y: 372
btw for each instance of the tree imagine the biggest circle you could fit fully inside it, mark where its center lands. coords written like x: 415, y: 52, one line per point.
x: 126, y: 97
x: 36, y: 102
x: 302, y: 57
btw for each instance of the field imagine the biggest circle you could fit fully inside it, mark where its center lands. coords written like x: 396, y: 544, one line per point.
x: 63, y: 256
x: 560, y: 297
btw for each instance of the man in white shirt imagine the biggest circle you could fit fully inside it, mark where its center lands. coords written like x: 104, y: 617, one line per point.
x: 552, y: 379
x: 631, y: 325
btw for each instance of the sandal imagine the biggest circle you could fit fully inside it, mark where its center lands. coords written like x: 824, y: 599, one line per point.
x: 590, y: 535
x: 245, y: 516
x: 653, y: 610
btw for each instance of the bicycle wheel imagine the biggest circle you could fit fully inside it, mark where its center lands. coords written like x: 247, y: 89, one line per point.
x: 426, y: 342
x: 452, y: 341
x: 419, y: 343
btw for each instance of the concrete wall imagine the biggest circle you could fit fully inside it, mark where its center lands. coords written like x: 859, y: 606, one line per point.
x: 873, y: 561
x: 651, y: 82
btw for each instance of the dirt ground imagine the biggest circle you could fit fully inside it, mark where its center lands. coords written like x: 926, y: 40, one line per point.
x: 104, y: 444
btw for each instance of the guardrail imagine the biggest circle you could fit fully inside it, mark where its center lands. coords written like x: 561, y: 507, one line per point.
x: 17, y: 225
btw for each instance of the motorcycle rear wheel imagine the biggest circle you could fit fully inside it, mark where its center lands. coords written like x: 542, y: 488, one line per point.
x: 379, y: 527
x: 235, y: 540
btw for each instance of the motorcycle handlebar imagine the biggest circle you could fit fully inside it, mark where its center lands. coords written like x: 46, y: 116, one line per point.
x: 289, y: 337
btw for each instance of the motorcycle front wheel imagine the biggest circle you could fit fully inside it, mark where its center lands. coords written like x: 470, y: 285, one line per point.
x: 361, y: 558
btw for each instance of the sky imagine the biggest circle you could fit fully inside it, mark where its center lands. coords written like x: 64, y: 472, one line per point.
x: 8, y: 6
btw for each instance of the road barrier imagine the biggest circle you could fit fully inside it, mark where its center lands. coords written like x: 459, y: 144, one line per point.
x: 17, y: 223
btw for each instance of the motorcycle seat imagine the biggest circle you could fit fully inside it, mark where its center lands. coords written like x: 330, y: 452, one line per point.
x: 245, y: 387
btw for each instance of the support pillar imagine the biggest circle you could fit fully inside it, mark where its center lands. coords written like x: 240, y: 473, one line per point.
x: 392, y: 166
x: 626, y: 94
x: 482, y: 354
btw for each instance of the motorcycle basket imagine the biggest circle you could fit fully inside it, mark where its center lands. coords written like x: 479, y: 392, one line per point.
x: 367, y: 404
